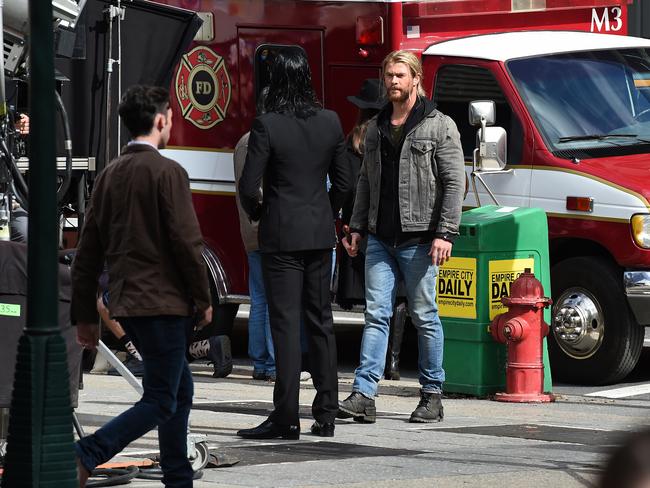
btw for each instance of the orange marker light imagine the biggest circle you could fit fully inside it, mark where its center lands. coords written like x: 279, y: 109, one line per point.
x: 580, y: 204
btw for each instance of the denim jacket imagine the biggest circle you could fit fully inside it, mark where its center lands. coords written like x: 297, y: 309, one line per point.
x: 431, y: 179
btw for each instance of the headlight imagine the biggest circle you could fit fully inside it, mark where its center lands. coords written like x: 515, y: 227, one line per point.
x: 641, y: 230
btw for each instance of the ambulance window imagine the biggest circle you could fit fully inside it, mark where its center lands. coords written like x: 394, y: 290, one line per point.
x: 264, y: 56
x: 458, y: 85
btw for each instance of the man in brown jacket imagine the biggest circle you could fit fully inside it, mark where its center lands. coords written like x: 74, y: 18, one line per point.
x: 142, y: 223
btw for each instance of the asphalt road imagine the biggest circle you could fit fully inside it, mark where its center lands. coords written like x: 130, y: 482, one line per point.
x: 635, y: 386
x: 349, y: 326
x: 481, y: 443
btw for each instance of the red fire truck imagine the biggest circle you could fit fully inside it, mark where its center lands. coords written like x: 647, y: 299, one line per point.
x: 576, y: 108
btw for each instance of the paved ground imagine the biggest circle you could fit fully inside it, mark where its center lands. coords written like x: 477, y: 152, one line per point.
x: 480, y: 443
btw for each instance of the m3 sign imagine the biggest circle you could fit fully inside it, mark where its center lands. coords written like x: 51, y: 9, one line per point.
x: 609, y: 19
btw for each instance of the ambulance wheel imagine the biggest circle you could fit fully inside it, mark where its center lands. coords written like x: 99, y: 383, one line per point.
x: 594, y: 338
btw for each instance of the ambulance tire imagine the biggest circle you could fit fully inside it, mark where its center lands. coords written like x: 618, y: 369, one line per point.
x: 595, y: 286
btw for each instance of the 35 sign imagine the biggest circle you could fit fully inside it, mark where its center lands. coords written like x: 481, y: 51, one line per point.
x: 606, y: 20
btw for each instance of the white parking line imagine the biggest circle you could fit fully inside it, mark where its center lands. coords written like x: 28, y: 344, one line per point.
x: 628, y: 391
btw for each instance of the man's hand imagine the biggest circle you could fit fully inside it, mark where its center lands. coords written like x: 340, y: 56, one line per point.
x: 440, y: 251
x: 88, y: 335
x: 22, y: 125
x: 351, y: 241
x: 207, y: 318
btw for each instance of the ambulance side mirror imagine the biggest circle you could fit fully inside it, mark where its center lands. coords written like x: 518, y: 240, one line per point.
x: 491, y: 142
x: 480, y: 110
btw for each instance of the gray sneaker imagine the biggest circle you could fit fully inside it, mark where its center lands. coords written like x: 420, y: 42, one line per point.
x: 429, y: 409
x: 359, y: 407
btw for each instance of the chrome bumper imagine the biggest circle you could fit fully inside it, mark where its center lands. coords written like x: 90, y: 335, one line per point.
x: 637, y: 290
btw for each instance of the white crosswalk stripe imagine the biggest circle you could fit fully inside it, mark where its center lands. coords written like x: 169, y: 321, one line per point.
x: 625, y: 392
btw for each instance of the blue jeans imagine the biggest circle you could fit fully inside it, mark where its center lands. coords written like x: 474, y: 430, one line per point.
x: 166, y: 402
x: 384, y: 266
x: 260, y: 342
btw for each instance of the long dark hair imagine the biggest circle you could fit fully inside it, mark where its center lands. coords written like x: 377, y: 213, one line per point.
x: 290, y: 89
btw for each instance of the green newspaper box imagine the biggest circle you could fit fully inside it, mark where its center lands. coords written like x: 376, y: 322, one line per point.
x: 495, y: 245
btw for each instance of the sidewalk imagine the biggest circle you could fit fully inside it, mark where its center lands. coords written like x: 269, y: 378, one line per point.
x: 480, y: 443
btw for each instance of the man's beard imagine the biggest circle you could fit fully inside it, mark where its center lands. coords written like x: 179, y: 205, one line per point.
x: 398, y: 96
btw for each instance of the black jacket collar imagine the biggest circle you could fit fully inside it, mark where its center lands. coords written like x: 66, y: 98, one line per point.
x: 422, y: 108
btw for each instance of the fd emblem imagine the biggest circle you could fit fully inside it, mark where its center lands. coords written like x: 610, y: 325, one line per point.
x: 203, y: 87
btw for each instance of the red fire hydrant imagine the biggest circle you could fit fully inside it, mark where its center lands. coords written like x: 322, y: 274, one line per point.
x: 523, y: 329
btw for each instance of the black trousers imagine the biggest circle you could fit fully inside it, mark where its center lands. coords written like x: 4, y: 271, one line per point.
x: 297, y: 286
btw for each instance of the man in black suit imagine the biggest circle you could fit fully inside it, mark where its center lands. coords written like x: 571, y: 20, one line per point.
x: 294, y: 146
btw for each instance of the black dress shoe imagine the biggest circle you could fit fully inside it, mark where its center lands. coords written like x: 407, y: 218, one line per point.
x: 271, y: 430
x: 326, y: 429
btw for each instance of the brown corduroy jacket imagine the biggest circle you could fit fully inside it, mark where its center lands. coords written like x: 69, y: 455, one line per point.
x: 142, y: 223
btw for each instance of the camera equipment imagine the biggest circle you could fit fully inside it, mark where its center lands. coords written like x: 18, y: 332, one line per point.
x: 14, y: 20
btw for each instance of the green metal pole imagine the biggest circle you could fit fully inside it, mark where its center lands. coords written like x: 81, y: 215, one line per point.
x: 42, y: 252
x: 40, y: 441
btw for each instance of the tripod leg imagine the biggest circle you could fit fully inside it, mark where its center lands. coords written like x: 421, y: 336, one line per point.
x: 77, y: 425
x: 117, y: 364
